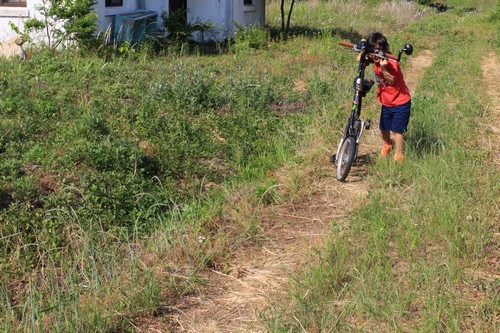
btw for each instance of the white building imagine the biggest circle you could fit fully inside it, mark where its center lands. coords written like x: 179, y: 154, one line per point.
x: 223, y: 14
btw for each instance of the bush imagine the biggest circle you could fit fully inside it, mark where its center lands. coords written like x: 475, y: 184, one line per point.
x: 63, y: 22
x: 178, y: 29
x: 255, y: 38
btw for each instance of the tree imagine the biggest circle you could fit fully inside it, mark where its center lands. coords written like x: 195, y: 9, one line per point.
x: 63, y: 21
x: 286, y: 29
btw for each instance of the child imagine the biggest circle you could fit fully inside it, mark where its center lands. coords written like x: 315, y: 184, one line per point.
x: 394, y: 96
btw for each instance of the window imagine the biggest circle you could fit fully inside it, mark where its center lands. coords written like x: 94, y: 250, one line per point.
x: 249, y: 6
x: 114, y: 3
x: 13, y: 3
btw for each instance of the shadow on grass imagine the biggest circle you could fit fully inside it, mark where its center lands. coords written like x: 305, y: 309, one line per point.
x: 424, y: 143
x: 311, y: 32
x: 360, y: 167
x: 218, y: 48
x: 366, y: 158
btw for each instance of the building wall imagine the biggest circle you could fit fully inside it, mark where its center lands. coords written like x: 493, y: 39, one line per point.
x: 218, y: 12
x: 16, y: 15
x: 223, y: 13
x: 250, y: 15
x: 226, y: 16
x: 106, y: 15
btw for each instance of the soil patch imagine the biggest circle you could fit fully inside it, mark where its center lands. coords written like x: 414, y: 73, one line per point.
x: 418, y: 64
x: 491, y: 72
x: 491, y: 140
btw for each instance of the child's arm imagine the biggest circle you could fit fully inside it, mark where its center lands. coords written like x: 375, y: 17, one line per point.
x: 390, y: 78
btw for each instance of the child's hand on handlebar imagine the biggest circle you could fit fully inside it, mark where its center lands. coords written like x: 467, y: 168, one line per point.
x: 368, y: 58
x: 382, y: 62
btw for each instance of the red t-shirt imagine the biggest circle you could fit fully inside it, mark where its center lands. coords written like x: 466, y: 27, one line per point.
x: 388, y: 95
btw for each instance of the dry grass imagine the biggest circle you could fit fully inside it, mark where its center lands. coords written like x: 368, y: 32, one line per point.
x: 403, y: 12
x: 291, y: 230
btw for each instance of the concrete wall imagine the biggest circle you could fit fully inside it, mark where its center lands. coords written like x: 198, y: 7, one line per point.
x: 217, y: 12
x: 16, y: 15
x: 250, y: 15
x: 226, y: 15
x: 106, y: 15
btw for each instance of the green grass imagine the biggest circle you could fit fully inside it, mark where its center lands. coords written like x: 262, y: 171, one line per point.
x: 123, y: 178
x: 107, y: 164
x: 408, y: 262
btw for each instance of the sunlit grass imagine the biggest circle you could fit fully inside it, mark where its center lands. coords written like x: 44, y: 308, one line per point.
x: 406, y: 262
x: 409, y: 256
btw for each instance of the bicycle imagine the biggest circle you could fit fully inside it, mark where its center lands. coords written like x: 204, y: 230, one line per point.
x: 347, y: 150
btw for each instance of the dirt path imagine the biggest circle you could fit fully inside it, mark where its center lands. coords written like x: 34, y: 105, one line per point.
x: 418, y: 64
x: 491, y: 72
x: 232, y: 302
x: 491, y: 140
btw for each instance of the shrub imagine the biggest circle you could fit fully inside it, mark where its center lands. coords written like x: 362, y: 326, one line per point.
x: 64, y: 22
x: 178, y: 29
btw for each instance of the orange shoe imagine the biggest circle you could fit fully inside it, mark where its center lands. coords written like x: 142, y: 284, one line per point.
x: 399, y: 157
x: 386, y: 148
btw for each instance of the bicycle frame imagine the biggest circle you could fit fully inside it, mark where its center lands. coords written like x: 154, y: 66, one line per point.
x: 357, y: 103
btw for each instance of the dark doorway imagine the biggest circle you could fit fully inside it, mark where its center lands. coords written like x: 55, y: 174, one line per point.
x: 179, y: 6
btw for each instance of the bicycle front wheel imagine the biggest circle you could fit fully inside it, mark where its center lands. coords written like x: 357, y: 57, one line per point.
x: 345, y: 157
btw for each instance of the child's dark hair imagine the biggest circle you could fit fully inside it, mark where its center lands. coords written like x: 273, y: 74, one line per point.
x: 377, y: 38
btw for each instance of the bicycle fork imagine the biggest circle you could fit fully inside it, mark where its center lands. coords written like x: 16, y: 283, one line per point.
x: 363, y: 125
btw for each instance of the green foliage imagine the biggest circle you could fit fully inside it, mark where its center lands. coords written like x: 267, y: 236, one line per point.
x: 180, y: 31
x: 125, y: 49
x: 83, y: 134
x: 64, y: 22
x: 255, y: 37
x: 425, y: 2
x: 495, y: 15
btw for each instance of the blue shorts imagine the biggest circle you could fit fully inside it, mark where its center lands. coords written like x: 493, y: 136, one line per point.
x: 395, y: 118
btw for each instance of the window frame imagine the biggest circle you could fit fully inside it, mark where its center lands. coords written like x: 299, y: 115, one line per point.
x: 113, y: 3
x: 14, y: 3
x: 249, y: 6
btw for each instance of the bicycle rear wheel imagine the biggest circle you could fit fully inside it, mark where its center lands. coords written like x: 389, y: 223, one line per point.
x: 345, y: 157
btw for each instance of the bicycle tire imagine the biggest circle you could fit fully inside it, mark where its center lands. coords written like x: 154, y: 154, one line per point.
x: 346, y: 157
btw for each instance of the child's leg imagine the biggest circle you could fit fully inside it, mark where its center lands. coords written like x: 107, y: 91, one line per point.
x: 385, y: 135
x: 388, y: 143
x: 398, y: 128
x: 398, y: 142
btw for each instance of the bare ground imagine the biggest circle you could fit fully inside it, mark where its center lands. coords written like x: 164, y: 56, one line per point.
x: 234, y: 301
x: 491, y: 140
x: 491, y: 72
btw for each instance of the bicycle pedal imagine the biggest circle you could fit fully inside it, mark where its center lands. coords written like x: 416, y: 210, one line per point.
x: 333, y: 158
x: 368, y: 124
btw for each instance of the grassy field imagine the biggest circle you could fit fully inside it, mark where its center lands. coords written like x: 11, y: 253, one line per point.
x: 421, y: 254
x: 122, y: 179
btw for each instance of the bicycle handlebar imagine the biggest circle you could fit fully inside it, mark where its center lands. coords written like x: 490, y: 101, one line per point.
x: 357, y: 49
